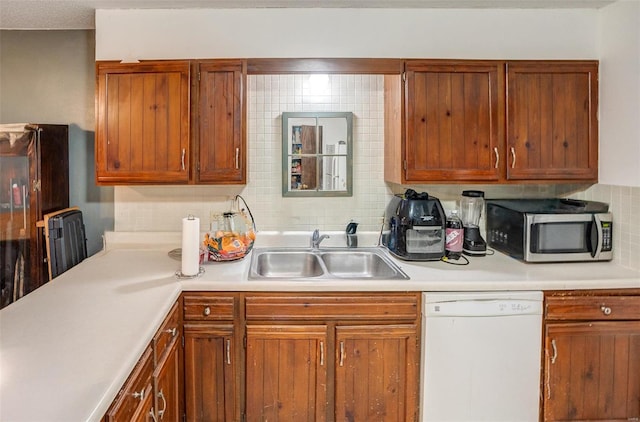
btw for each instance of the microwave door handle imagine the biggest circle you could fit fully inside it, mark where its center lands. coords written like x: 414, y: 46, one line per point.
x: 597, y: 223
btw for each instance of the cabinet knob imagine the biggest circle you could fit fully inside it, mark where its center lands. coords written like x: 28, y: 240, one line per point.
x: 605, y: 310
x: 207, y: 311
x: 172, y: 331
x: 139, y: 395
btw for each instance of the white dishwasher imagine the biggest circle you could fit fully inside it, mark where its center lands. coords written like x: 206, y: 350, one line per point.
x: 481, y: 356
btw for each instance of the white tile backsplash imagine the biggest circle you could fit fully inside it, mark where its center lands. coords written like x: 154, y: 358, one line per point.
x: 161, y: 208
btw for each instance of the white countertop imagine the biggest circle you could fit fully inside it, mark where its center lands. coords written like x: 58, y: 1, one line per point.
x: 67, y: 348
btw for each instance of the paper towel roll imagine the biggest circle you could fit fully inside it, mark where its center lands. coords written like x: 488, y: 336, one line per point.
x: 190, y: 246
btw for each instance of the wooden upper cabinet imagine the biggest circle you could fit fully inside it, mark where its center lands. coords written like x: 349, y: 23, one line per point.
x: 221, y: 148
x: 452, y: 120
x: 142, y: 122
x: 552, y: 127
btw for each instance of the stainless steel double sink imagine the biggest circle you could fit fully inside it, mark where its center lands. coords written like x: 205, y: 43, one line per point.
x: 326, y: 263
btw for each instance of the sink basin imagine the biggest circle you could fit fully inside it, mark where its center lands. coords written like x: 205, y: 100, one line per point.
x: 358, y: 265
x: 287, y: 264
x: 330, y: 263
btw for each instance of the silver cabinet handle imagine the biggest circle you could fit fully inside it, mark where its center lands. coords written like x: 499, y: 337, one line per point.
x: 605, y: 310
x: 139, y: 395
x: 237, y: 158
x: 228, y: 352
x: 184, y: 152
x: 173, y: 331
x: 207, y: 311
x: 322, y: 353
x: 153, y: 415
x: 495, y: 149
x: 513, y: 157
x: 342, y: 353
x: 555, y: 351
x: 164, y: 404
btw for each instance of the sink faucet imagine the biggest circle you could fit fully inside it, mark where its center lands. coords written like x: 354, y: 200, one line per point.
x: 316, y: 239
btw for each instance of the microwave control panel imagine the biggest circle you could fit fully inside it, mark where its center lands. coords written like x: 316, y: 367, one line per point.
x: 607, y: 236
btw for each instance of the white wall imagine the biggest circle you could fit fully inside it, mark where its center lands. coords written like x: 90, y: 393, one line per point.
x: 438, y: 33
x: 619, y: 51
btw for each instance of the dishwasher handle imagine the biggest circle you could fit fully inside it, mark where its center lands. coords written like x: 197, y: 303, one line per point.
x: 483, y: 308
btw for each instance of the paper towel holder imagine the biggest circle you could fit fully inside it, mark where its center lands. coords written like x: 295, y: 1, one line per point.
x: 181, y: 276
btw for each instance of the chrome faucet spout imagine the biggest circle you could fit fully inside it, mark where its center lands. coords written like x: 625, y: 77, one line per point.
x: 316, y: 239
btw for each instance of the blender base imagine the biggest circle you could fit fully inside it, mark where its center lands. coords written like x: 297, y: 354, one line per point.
x: 473, y: 244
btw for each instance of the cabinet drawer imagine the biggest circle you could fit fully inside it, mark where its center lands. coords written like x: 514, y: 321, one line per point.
x: 593, y: 308
x: 131, y: 398
x: 332, y: 307
x: 209, y: 307
x: 169, y: 330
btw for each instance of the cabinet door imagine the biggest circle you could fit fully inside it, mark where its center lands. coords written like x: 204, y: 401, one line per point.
x: 286, y: 375
x: 552, y: 127
x: 168, y: 391
x: 142, y: 122
x: 592, y: 371
x: 221, y: 141
x: 210, y: 372
x: 135, y: 400
x: 452, y: 126
x: 376, y: 373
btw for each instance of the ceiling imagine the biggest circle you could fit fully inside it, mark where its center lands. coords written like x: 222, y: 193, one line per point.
x: 79, y: 14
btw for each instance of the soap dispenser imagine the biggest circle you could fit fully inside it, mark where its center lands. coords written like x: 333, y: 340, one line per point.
x: 352, y: 237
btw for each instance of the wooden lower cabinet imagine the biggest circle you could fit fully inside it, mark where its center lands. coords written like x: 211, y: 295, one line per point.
x: 210, y: 369
x: 286, y: 378
x: 279, y: 357
x: 592, y: 359
x: 167, y: 384
x: 135, y: 400
x: 212, y: 356
x: 375, y: 373
x: 332, y: 357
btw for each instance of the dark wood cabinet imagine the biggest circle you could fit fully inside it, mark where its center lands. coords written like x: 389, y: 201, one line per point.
x: 135, y: 400
x: 592, y: 358
x: 211, y: 357
x: 452, y: 120
x: 168, y: 379
x: 286, y: 372
x: 552, y: 129
x: 332, y: 356
x: 159, y: 123
x: 492, y: 121
x: 376, y: 369
x: 221, y: 151
x: 142, y: 122
x: 34, y: 181
x: 154, y: 390
x: 167, y: 384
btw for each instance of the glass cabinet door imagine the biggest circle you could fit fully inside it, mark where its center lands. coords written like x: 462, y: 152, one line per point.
x: 17, y: 151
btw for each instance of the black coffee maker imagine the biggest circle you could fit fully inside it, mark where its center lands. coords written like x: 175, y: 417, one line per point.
x: 414, y: 227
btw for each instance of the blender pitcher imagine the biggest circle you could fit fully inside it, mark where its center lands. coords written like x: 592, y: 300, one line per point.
x: 471, y: 206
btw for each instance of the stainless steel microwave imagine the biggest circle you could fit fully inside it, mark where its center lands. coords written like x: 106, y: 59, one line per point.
x: 550, y: 230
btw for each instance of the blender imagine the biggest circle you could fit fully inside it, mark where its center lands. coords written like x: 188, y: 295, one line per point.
x: 471, y: 205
